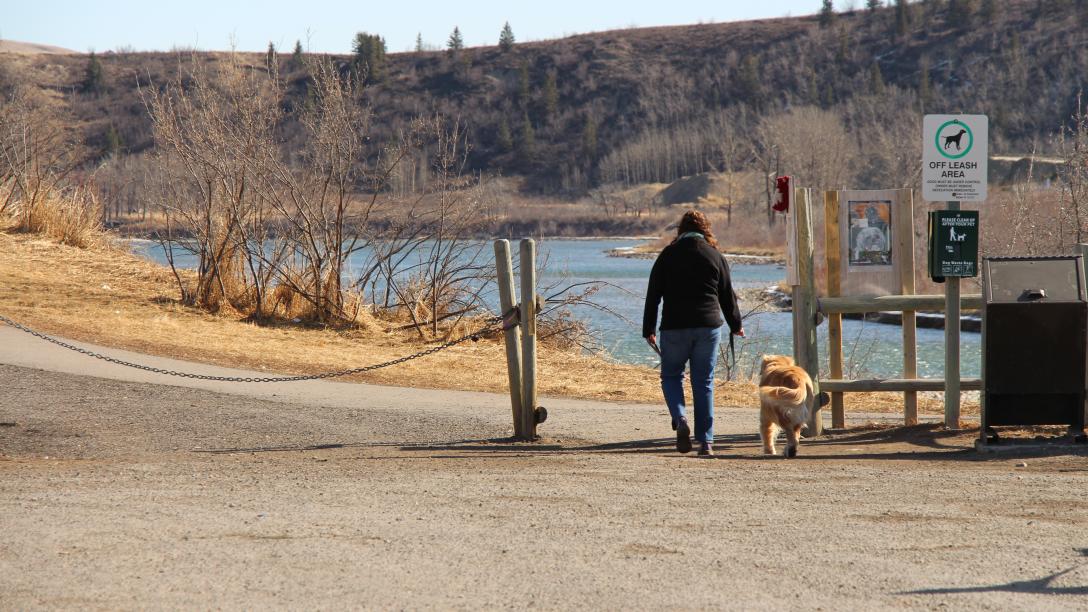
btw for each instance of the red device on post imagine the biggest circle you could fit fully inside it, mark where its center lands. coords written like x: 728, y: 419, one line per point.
x: 782, y: 194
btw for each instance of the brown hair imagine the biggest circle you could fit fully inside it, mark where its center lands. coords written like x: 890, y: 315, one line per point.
x: 695, y: 221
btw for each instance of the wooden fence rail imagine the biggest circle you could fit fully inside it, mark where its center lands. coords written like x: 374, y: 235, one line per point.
x: 893, y: 303
x: 895, y: 384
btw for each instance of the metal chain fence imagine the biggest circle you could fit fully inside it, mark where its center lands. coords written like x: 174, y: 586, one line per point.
x: 494, y: 325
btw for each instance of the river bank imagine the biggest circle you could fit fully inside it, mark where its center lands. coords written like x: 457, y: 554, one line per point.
x: 734, y: 256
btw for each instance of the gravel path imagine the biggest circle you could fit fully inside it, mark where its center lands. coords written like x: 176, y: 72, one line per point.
x: 120, y: 492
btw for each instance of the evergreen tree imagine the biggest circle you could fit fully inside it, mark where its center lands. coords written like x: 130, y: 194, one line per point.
x: 506, y: 38
x: 92, y: 76
x: 925, y: 91
x: 369, y: 60
x: 419, y: 42
x: 959, y: 12
x: 551, y: 97
x: 589, y: 140
x: 828, y: 99
x: 750, y: 82
x: 812, y: 90
x: 527, y: 141
x: 827, y: 14
x: 296, y: 56
x: 505, y: 138
x: 523, y: 84
x: 113, y: 144
x: 842, y: 53
x: 873, y: 5
x: 876, y: 80
x: 456, y: 42
x: 270, y: 58
x: 902, y: 17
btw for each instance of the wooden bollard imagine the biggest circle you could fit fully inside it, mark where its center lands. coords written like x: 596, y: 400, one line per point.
x: 507, y: 301
x: 528, y: 338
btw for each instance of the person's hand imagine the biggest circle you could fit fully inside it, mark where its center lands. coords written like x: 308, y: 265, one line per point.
x: 652, y: 341
x: 740, y: 332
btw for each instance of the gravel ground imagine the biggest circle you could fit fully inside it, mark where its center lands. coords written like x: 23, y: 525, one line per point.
x: 119, y: 494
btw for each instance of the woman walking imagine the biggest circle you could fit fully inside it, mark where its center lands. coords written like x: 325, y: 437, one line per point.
x: 692, y: 278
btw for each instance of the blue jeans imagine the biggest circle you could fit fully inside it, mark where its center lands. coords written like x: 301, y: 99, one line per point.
x: 699, y: 345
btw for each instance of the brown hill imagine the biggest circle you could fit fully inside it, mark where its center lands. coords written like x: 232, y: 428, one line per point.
x: 570, y: 114
x: 27, y: 48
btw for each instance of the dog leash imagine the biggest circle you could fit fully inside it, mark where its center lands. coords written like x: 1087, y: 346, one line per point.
x: 732, y: 352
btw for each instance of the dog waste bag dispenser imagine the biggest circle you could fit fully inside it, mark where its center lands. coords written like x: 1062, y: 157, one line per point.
x: 953, y: 244
x: 1034, y: 341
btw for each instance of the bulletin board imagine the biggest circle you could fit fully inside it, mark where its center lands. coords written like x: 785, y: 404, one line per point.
x: 875, y: 228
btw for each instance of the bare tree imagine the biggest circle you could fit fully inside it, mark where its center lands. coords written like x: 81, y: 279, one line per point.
x: 1073, y: 172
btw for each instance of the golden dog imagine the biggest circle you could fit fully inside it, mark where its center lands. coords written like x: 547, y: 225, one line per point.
x: 786, y: 399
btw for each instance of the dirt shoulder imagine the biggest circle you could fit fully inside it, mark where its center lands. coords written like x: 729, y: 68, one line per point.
x: 117, y: 494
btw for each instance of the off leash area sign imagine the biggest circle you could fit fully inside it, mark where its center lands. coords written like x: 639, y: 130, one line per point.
x: 955, y: 149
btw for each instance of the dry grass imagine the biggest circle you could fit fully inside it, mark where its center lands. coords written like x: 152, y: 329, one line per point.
x: 116, y: 299
x: 70, y: 218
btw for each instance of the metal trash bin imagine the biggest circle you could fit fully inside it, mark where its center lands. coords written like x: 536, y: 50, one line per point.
x: 1034, y: 339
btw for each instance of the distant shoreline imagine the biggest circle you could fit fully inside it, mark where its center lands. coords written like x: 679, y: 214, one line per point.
x: 740, y: 258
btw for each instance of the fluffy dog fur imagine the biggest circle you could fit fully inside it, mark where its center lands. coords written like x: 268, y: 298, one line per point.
x: 786, y: 399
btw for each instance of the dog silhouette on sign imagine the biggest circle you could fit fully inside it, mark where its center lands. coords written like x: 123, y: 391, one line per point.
x: 956, y: 237
x: 954, y: 140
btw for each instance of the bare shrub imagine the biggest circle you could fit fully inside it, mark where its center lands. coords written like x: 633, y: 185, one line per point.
x: 36, y: 154
x: 213, y: 135
x: 274, y: 229
x: 1073, y: 174
x: 885, y: 131
x: 37, y: 157
x: 812, y: 145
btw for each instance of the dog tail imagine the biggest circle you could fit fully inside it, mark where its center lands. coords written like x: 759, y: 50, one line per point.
x: 785, y: 394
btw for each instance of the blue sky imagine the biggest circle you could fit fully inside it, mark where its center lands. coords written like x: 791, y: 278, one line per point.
x: 329, y: 25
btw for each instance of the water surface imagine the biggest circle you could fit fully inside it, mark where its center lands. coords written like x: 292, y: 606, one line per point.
x: 869, y: 349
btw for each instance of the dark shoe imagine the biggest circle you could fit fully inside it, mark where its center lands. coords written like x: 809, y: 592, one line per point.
x: 683, y: 436
x: 706, y: 449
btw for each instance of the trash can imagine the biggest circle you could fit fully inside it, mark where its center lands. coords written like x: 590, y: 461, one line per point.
x: 1034, y: 339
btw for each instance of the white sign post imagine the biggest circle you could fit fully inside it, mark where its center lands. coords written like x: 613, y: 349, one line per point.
x: 955, y: 151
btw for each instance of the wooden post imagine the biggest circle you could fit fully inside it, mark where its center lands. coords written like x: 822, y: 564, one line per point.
x: 952, y: 347
x: 804, y: 305
x: 528, y: 338
x: 505, y: 269
x: 833, y: 250
x: 906, y: 287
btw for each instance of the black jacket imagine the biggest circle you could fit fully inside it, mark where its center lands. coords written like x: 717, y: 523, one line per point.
x: 693, y: 278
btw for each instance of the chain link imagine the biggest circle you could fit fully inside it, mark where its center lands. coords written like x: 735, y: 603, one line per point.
x: 495, y: 324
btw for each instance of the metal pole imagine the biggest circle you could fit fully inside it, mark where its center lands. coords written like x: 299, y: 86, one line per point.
x: 952, y: 347
x: 528, y: 338
x: 507, y: 300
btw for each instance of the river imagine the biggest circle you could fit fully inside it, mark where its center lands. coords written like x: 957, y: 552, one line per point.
x: 869, y: 349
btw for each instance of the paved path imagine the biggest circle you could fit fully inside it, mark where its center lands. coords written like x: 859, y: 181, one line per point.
x: 125, y: 490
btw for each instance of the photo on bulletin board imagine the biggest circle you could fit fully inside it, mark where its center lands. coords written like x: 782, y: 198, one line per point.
x: 870, y: 233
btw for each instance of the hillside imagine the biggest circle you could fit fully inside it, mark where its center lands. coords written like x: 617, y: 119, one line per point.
x: 15, y: 46
x: 572, y: 114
